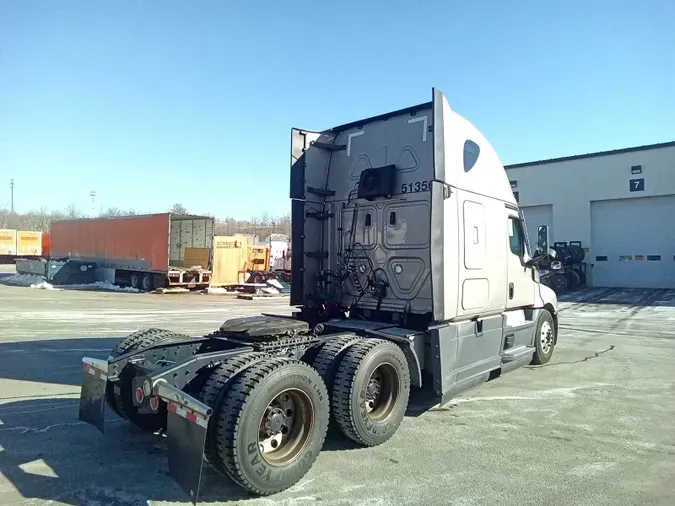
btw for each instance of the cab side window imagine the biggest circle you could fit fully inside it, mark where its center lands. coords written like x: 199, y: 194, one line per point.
x: 516, y: 237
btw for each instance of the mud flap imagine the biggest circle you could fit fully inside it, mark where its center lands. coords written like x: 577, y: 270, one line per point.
x: 92, y: 396
x: 187, y: 422
x: 186, y: 434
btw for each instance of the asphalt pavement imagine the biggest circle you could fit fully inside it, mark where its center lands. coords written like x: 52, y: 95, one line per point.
x: 596, y: 426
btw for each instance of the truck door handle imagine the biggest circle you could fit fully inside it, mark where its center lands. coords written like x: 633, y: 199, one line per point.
x: 510, y: 290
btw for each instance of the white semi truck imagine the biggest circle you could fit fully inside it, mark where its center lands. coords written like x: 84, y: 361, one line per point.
x: 412, y: 275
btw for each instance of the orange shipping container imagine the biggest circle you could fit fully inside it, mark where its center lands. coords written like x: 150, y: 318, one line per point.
x: 28, y: 243
x: 230, y: 254
x: 7, y: 242
x: 46, y: 245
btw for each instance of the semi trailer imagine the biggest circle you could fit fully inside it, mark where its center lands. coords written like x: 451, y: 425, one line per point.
x: 21, y: 244
x: 412, y: 277
x: 141, y: 251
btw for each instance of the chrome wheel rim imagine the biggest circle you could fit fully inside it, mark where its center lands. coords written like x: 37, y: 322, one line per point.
x: 546, y: 337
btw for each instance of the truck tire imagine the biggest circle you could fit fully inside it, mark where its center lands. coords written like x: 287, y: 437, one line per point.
x: 558, y: 282
x: 257, y: 278
x: 135, y: 280
x: 563, y: 254
x: 131, y: 342
x: 573, y: 279
x: 272, y: 424
x: 214, y: 390
x: 328, y: 359
x: 371, y: 391
x: 582, y: 276
x: 142, y: 338
x: 309, y: 356
x: 578, y: 253
x: 121, y: 401
x: 147, y: 282
x: 544, y: 338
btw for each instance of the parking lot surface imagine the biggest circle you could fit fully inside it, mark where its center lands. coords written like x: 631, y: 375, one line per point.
x: 595, y: 426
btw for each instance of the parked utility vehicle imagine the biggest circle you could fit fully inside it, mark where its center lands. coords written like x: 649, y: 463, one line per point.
x: 411, y: 268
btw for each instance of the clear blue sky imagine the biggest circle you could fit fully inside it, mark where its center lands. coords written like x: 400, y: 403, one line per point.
x: 153, y: 103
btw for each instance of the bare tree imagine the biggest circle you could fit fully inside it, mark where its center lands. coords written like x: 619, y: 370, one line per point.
x: 112, y: 212
x: 72, y: 211
x: 179, y: 209
x: 41, y: 220
x: 4, y: 217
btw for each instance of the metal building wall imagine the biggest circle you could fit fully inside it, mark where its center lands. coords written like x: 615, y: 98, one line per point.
x: 575, y: 185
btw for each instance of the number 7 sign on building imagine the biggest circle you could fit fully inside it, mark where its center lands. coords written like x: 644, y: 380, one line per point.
x: 637, y: 185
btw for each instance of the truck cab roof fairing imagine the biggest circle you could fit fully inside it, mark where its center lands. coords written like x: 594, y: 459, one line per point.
x: 457, y: 143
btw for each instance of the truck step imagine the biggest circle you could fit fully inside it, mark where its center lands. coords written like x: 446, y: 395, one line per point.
x: 516, y: 353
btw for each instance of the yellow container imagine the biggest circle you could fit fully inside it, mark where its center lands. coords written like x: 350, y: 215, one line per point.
x: 7, y: 242
x: 28, y: 243
x: 258, y: 258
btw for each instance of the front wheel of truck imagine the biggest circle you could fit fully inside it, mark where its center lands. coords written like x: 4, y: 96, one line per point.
x: 370, y: 391
x: 272, y: 424
x: 544, y: 338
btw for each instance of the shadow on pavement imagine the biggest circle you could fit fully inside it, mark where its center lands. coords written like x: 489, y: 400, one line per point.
x: 46, y: 453
x: 56, y: 361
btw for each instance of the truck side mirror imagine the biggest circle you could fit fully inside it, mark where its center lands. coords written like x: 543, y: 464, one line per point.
x: 542, y: 239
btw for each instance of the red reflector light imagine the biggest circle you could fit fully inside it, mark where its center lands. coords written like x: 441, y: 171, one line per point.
x: 154, y: 403
x: 139, y: 395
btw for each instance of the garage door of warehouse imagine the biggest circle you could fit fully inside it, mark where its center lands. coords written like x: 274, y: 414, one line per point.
x: 535, y: 216
x: 633, y: 243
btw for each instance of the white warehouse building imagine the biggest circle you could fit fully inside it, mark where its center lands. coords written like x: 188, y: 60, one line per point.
x: 619, y: 204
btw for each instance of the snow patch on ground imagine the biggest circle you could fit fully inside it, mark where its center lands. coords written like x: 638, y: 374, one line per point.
x: 275, y: 283
x: 216, y: 290
x: 43, y: 285
x: 271, y: 290
x: 102, y: 285
x: 22, y: 279
x: 38, y: 282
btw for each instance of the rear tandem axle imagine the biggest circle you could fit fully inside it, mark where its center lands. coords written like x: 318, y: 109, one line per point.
x: 254, y: 398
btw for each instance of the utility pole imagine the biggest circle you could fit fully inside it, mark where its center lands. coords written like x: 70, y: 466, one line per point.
x: 92, y: 194
x: 11, y: 193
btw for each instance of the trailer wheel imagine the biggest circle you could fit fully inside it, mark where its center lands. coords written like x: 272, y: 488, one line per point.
x: 371, y: 391
x: 328, y: 359
x: 146, y: 283
x: 120, y: 400
x: 135, y: 280
x: 544, y: 338
x: 272, y: 425
x: 212, y: 392
x: 258, y: 278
